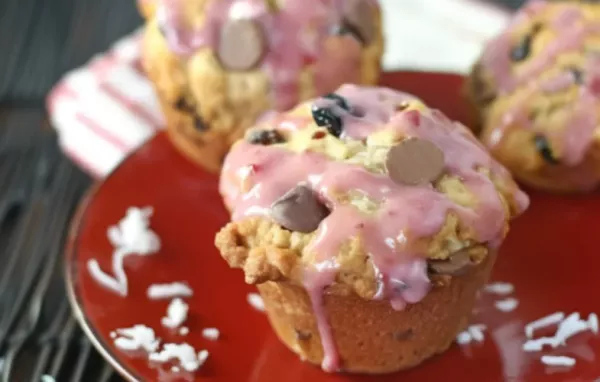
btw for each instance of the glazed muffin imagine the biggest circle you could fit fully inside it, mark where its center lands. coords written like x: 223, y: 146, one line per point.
x: 219, y: 65
x: 537, y: 88
x: 365, y: 209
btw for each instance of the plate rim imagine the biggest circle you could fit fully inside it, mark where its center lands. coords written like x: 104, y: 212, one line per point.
x: 71, y: 272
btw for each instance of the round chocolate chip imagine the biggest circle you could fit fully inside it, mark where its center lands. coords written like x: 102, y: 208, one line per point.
x: 299, y: 210
x: 359, y: 20
x: 457, y: 264
x: 543, y: 147
x: 242, y: 44
x: 265, y: 137
x: 414, y: 161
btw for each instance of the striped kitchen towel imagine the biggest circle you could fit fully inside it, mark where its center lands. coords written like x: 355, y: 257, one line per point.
x: 107, y: 108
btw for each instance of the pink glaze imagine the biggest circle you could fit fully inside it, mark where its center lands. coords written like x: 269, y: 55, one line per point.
x: 571, y: 32
x: 406, y: 213
x: 296, y: 37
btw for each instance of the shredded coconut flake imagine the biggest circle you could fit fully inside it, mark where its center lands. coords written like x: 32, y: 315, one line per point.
x: 133, y: 232
x: 184, y: 353
x: 256, y: 301
x: 593, y: 323
x: 463, y: 338
x: 500, y: 288
x: 113, y: 334
x: 473, y: 333
x: 476, y: 332
x: 175, y: 369
x: 132, y: 236
x: 538, y: 343
x: 202, y: 356
x: 170, y: 290
x: 552, y: 360
x: 571, y: 326
x: 136, y: 338
x: 543, y: 322
x: 211, y: 333
x: 507, y: 305
x: 176, y: 314
x: 183, y: 331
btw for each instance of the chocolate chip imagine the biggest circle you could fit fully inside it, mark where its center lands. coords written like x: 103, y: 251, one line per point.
x: 521, y: 51
x: 457, y: 264
x: 302, y: 335
x: 482, y: 91
x: 199, y: 123
x: 414, y: 161
x: 577, y: 75
x: 359, y: 20
x: 265, y: 137
x: 543, y: 147
x: 403, y: 335
x: 242, y: 44
x: 299, y: 210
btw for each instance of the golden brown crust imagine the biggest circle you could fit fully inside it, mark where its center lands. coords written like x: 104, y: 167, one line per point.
x: 267, y: 252
x: 199, y: 91
x: 388, y: 340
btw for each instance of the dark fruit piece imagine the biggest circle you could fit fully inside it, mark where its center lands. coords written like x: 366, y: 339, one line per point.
x: 341, y: 101
x: 522, y: 50
x: 543, y: 147
x: 325, y: 117
x: 328, y: 117
x: 265, y: 137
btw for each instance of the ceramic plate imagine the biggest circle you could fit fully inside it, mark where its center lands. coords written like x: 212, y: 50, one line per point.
x: 550, y: 257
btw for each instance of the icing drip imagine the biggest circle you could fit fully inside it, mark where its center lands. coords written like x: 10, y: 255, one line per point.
x: 296, y: 35
x: 570, y: 30
x: 405, y: 213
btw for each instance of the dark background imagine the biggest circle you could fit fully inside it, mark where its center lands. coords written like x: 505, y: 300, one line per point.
x: 39, y: 188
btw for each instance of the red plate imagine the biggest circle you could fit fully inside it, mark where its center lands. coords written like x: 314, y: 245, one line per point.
x: 551, y: 257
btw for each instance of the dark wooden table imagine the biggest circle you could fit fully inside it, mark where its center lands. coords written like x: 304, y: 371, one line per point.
x: 39, y: 188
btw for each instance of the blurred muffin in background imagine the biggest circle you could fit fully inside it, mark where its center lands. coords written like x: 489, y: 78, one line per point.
x: 537, y: 91
x: 219, y: 65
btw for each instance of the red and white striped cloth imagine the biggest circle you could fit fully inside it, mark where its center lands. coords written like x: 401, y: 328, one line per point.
x: 108, y: 108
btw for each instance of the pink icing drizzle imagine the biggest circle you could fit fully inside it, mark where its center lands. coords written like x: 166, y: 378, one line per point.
x: 406, y: 213
x: 295, y: 34
x: 570, y: 36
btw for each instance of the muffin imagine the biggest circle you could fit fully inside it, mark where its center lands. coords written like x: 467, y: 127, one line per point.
x: 536, y: 89
x: 365, y: 209
x: 219, y: 65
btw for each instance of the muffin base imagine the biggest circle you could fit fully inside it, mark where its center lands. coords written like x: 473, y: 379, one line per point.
x: 370, y: 336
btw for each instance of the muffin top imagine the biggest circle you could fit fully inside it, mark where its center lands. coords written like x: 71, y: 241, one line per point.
x: 278, y: 37
x: 367, y: 187
x: 539, y: 81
